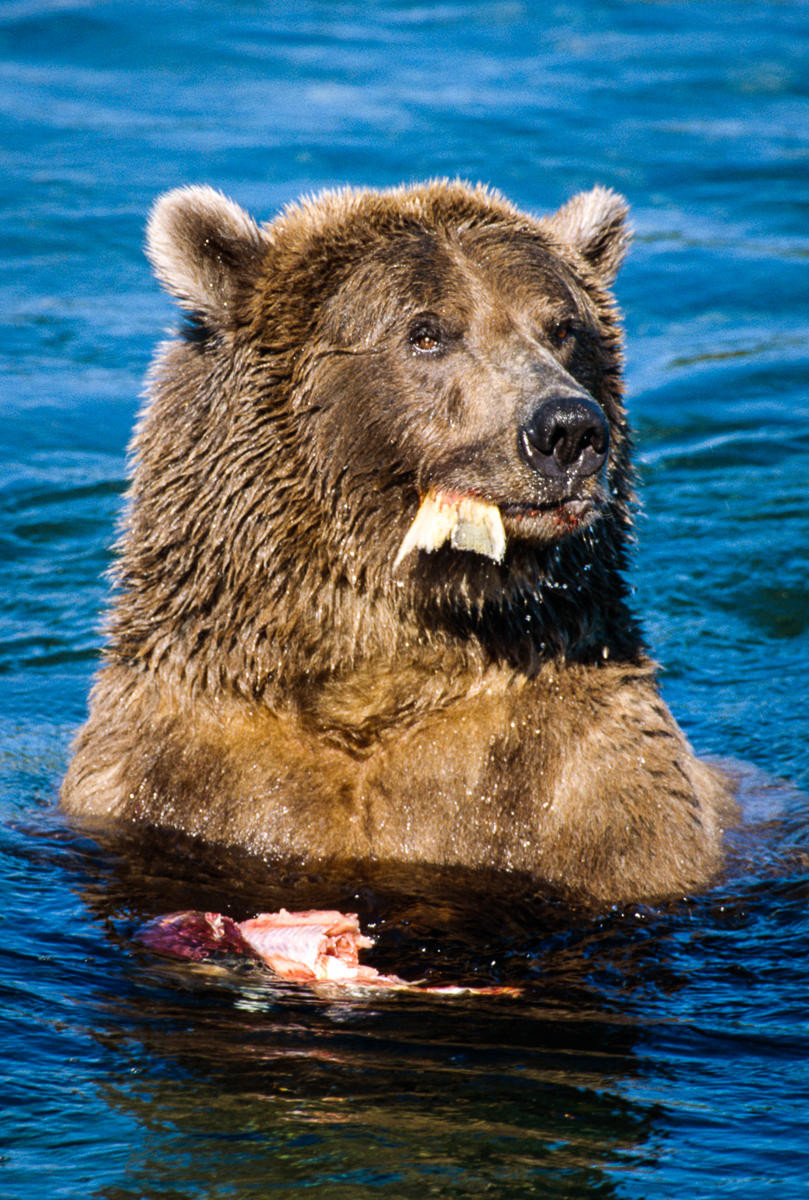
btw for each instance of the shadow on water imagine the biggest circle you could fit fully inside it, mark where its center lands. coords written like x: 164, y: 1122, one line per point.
x: 278, y: 1088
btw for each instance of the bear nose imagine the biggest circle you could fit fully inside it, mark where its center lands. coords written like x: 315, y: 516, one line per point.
x: 566, y: 435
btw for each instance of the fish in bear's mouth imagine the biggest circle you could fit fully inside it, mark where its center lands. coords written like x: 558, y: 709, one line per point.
x: 467, y: 523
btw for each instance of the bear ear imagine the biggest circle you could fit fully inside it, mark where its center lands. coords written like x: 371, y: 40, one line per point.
x: 595, y: 224
x: 205, y: 250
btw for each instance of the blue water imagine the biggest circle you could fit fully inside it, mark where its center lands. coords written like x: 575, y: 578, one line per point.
x: 656, y: 1052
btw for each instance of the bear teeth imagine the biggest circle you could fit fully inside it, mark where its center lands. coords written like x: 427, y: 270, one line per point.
x: 466, y: 523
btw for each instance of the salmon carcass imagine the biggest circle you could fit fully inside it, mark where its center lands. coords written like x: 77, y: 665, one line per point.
x: 318, y: 947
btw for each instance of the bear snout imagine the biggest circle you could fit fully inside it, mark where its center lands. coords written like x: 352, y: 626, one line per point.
x: 566, y: 436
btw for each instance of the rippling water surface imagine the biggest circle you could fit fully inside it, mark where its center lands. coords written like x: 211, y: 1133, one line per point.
x: 656, y: 1051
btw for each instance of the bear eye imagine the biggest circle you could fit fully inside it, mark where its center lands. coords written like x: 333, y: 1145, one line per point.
x: 561, y: 331
x: 425, y: 337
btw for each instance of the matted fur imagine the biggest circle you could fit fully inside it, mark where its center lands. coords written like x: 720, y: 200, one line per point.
x: 273, y: 676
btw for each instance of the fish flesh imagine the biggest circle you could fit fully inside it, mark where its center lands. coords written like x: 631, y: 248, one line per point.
x: 317, y: 947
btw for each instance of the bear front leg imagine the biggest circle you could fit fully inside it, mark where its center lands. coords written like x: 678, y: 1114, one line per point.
x: 621, y: 808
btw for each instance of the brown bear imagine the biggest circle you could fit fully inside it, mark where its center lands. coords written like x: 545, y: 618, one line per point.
x: 370, y: 599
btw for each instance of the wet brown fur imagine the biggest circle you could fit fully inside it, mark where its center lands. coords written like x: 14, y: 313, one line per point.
x: 270, y: 679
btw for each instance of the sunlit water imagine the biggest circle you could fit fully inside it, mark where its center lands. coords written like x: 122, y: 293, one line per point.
x: 655, y: 1052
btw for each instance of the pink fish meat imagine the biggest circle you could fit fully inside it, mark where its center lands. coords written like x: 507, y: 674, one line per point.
x: 308, y: 946
x: 316, y: 947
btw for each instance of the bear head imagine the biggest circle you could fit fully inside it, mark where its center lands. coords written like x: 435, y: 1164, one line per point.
x: 362, y: 355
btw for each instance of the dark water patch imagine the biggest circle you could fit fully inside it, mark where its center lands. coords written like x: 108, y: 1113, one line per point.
x: 776, y: 610
x: 41, y: 654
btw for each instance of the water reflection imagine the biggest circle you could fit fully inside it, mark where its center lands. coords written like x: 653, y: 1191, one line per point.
x: 279, y: 1088
x: 292, y: 1094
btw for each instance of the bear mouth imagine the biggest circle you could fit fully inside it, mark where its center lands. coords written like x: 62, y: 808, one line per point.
x: 573, y: 508
x: 550, y: 521
x: 467, y: 522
